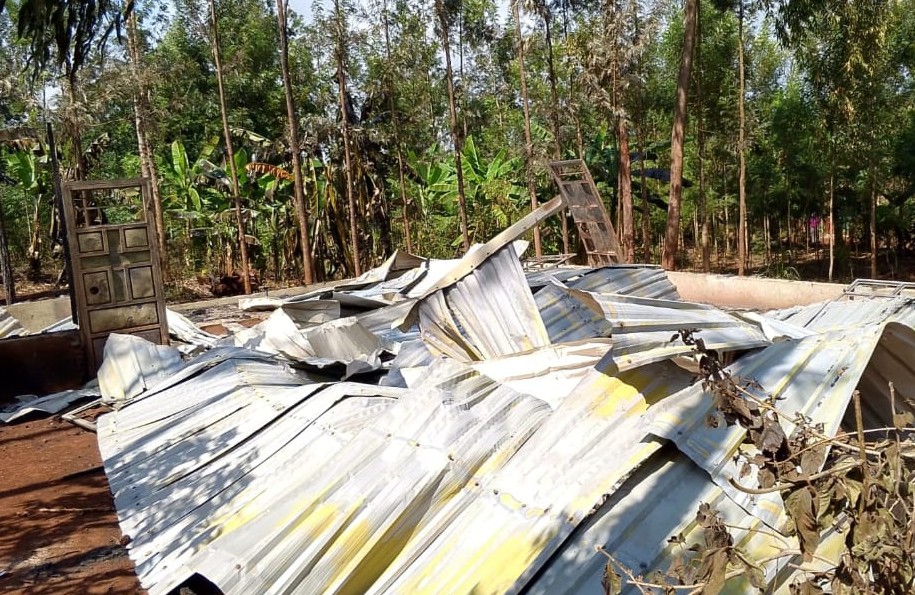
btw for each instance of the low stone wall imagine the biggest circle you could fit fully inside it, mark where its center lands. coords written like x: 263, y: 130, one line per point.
x: 40, y: 314
x: 757, y: 293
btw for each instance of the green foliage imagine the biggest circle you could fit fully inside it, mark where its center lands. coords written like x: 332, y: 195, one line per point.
x: 495, y: 197
x: 66, y: 32
x: 829, y: 97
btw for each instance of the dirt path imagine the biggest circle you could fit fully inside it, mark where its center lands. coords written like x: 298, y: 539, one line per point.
x: 58, y: 530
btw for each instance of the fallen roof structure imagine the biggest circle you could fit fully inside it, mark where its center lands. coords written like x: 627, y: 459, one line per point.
x: 478, y: 429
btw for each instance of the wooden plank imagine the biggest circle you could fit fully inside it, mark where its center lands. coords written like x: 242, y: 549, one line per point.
x: 576, y: 185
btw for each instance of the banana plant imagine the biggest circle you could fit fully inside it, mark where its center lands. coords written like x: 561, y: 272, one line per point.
x: 24, y: 169
x: 494, y: 197
x: 492, y: 187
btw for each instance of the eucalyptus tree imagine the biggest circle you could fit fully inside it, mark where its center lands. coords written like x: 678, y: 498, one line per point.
x: 389, y: 74
x: 292, y: 124
x: 6, y: 268
x: 230, y: 153
x: 610, y: 72
x: 677, y: 136
x: 715, y: 124
x: 142, y: 116
x: 543, y: 10
x: 457, y: 143
x: 841, y: 45
x: 740, y: 7
x: 528, y: 144
x: 340, y: 54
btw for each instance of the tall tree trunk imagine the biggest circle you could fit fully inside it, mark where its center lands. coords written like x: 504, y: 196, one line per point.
x: 873, y: 221
x: 463, y: 98
x: 625, y: 176
x: 80, y: 169
x: 230, y: 153
x: 832, y: 227
x: 298, y: 181
x: 34, y: 255
x: 395, y: 125
x: 347, y: 156
x: 742, y: 243
x: 643, y: 155
x: 6, y: 267
x: 528, y: 143
x: 141, y: 116
x: 456, y: 139
x: 788, y: 231
x: 700, y: 141
x: 646, y: 212
x: 669, y: 256
x: 554, y: 116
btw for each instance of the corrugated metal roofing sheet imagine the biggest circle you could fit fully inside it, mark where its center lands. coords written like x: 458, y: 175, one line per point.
x: 488, y: 313
x: 502, y: 467
x: 814, y: 377
x: 845, y: 312
x: 181, y: 461
x: 9, y: 326
x: 639, y: 280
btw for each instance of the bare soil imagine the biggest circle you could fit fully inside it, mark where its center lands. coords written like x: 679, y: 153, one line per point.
x: 59, y: 531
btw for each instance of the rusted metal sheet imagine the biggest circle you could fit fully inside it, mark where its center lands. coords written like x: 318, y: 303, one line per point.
x: 577, y: 188
x: 116, y: 273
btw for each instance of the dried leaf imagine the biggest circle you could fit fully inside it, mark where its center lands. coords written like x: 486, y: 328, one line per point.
x: 812, y: 460
x: 853, y: 489
x: 772, y: 438
x: 805, y: 588
x: 766, y: 478
x: 904, y: 420
x: 801, y: 505
x: 745, y: 470
x: 612, y: 581
x: 714, y: 570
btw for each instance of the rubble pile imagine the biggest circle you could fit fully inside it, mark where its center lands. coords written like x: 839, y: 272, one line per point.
x: 470, y: 426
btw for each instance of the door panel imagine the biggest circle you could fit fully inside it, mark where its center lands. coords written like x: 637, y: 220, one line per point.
x: 117, y: 276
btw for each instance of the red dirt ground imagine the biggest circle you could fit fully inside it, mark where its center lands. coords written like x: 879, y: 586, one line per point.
x: 58, y: 530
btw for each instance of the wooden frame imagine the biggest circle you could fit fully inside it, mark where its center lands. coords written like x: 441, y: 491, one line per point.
x: 117, y: 277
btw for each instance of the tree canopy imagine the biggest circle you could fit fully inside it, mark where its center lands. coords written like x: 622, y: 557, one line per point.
x: 395, y: 147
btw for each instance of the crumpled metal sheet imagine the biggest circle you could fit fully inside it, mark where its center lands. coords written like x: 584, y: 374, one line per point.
x: 183, y: 330
x: 133, y: 365
x: 658, y: 502
x: 638, y: 280
x: 502, y: 527
x: 845, y: 312
x: 333, y: 526
x: 9, y: 326
x: 644, y: 330
x: 488, y: 313
x: 548, y: 373
x: 813, y: 376
x: 52, y: 403
x: 523, y: 440
x: 343, y: 343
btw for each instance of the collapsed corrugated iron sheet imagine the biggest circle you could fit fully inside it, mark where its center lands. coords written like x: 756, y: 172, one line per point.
x: 524, y: 420
x: 9, y: 326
